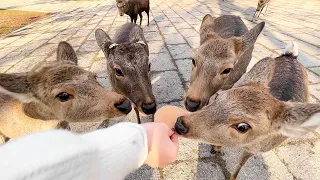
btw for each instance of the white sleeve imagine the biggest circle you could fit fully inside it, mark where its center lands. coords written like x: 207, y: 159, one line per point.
x: 109, y: 153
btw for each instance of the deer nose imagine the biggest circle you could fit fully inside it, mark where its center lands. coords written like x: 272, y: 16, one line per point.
x: 124, y: 107
x: 180, y: 128
x: 149, y: 108
x: 192, y: 105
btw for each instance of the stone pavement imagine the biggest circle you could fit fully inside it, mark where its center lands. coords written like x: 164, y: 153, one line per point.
x: 172, y: 36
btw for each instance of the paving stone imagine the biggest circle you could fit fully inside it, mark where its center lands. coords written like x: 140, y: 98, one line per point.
x: 307, y: 60
x: 301, y: 161
x: 181, y: 25
x: 152, y: 36
x: 86, y: 59
x: 180, y: 51
x: 76, y: 41
x: 144, y: 172
x: 45, y: 50
x: 26, y: 64
x: 157, y: 47
x: 308, y: 48
x: 194, y: 42
x: 104, y: 82
x: 100, y: 68
x: 189, y: 33
x: 174, y: 39
x: 161, y: 62
x: 9, y: 40
x: 5, y: 51
x: 168, y: 87
x: 60, y: 37
x: 185, y: 68
x: 314, y: 78
x: 168, y: 30
x: 89, y: 46
x: 3, y: 69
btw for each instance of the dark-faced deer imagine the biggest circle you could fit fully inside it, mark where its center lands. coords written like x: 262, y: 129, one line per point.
x: 128, y: 66
x: 225, y: 51
x: 265, y: 107
x: 53, y: 93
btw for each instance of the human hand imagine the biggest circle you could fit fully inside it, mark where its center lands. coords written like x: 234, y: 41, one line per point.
x: 163, y: 144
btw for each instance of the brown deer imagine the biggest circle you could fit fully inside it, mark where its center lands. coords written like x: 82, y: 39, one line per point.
x: 265, y: 107
x: 128, y: 66
x: 225, y: 51
x: 53, y: 93
x: 261, y: 5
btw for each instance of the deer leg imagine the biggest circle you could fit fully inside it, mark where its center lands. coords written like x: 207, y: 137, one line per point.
x: 147, y: 11
x: 215, y: 149
x: 254, y: 16
x: 104, y: 124
x: 265, y: 12
x: 137, y: 113
x: 243, y: 159
x: 259, y: 12
x: 140, y: 18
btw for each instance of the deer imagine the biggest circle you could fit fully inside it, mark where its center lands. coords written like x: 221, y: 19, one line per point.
x: 261, y: 5
x: 265, y: 107
x: 225, y: 51
x: 52, y: 94
x: 132, y: 8
x: 128, y: 66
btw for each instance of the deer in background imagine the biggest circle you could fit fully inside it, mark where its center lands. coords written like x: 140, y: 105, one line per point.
x: 261, y: 5
x: 225, y: 51
x: 128, y: 66
x: 53, y: 93
x: 265, y: 107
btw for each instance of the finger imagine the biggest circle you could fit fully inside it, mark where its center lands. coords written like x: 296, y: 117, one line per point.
x: 174, y: 138
x: 170, y: 132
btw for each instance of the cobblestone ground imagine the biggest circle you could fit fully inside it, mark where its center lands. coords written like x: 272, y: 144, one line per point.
x: 172, y: 36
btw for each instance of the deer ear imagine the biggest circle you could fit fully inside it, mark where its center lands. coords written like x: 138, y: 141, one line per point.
x: 242, y: 44
x: 251, y: 36
x: 206, y: 28
x: 66, y: 53
x: 104, y: 41
x: 16, y: 86
x: 300, y: 118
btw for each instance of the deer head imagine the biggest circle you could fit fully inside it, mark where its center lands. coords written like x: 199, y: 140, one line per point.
x: 61, y: 90
x: 128, y: 68
x: 246, y: 116
x: 215, y: 61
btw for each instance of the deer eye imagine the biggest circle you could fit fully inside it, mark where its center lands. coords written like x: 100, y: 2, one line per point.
x: 149, y: 68
x: 226, y: 71
x: 63, y: 97
x: 118, y: 72
x: 242, y: 127
x: 193, y: 62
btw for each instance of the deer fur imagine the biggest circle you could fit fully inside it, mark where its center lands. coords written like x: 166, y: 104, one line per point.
x: 128, y: 65
x: 31, y: 101
x: 272, y: 98
x: 225, y: 51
